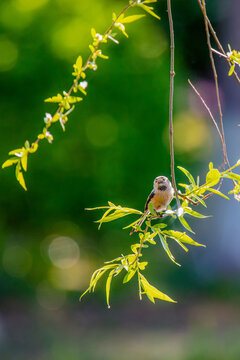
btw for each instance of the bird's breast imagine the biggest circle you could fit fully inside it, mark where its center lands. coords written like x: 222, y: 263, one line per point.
x: 161, y: 200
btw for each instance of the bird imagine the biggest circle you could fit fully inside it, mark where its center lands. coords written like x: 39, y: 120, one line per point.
x: 160, y: 197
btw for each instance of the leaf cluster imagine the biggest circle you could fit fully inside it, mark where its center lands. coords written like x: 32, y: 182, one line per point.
x: 66, y: 101
x: 156, y: 231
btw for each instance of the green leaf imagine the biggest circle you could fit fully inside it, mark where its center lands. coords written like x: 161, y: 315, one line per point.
x: 182, y: 237
x: 148, y: 9
x: 167, y: 250
x: 152, y: 291
x: 133, y: 223
x: 185, y: 224
x: 231, y: 70
x: 188, y: 175
x: 159, y: 226
x: 18, y: 151
x: 54, y: 99
x: 10, y: 162
x: 24, y: 160
x: 194, y: 213
x: 135, y: 248
x: 131, y: 18
x: 142, y: 265
x: 108, y: 284
x: 79, y: 63
x: 129, y: 275
x: 218, y: 193
x: 112, y: 217
x: 233, y: 176
x: 151, y: 209
x: 21, y: 180
x: 212, y: 177
x: 199, y: 199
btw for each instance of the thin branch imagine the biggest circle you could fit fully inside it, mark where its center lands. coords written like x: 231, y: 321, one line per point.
x: 172, y: 74
x: 216, y: 82
x: 208, y: 110
x: 89, y: 60
x: 217, y: 41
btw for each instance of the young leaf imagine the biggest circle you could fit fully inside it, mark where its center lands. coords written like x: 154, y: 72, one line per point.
x: 54, y: 99
x: 190, y: 211
x: 142, y: 265
x: 167, y: 250
x: 148, y: 9
x: 21, y: 180
x: 108, y: 284
x: 152, y: 291
x: 182, y: 237
x: 212, y: 177
x: 188, y: 175
x: 185, y: 224
x: 131, y: 18
x: 151, y: 209
x: 10, y: 162
x: 24, y: 160
x: 218, y: 193
x: 129, y: 275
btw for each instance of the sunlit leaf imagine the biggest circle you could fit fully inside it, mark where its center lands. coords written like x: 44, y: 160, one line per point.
x: 167, y: 250
x: 24, y: 160
x: 183, y: 237
x: 108, y: 285
x: 54, y: 99
x: 218, y: 193
x: 213, y: 177
x: 152, y: 291
x: 159, y: 226
x: 231, y: 70
x: 185, y: 224
x: 194, y: 213
x: 129, y: 275
x: 131, y: 18
x: 142, y: 265
x: 10, y: 162
x: 188, y: 175
x: 151, y: 209
x: 149, y: 10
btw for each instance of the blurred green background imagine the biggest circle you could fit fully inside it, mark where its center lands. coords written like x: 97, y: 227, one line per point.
x: 116, y: 143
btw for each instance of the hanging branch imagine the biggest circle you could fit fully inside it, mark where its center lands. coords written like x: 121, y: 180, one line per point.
x: 213, y: 32
x: 208, y: 110
x: 172, y: 74
x: 225, y: 157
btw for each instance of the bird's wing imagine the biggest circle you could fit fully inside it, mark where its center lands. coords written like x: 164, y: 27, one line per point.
x: 148, y: 200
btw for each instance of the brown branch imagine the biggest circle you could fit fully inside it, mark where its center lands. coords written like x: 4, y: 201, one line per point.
x: 216, y: 81
x: 208, y: 110
x: 172, y: 74
x: 218, y: 42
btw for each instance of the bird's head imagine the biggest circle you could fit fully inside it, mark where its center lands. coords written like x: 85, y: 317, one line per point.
x: 162, y: 183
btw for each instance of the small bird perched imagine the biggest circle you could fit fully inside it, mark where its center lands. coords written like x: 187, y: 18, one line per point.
x: 161, y: 196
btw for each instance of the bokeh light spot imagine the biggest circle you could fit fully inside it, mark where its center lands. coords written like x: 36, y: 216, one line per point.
x: 9, y: 54
x: 50, y: 298
x: 17, y: 261
x: 63, y: 252
x: 73, y: 278
x: 102, y: 131
x: 191, y: 134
